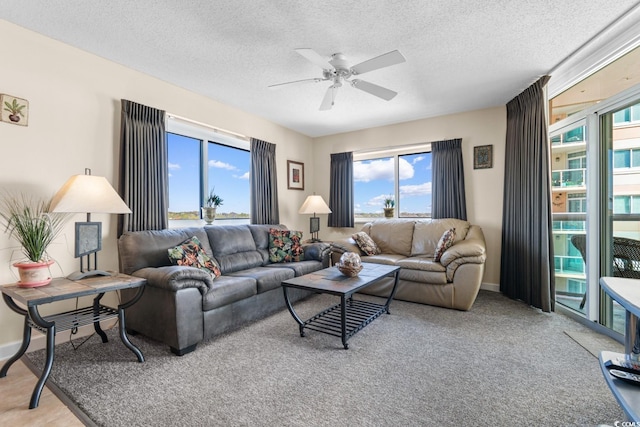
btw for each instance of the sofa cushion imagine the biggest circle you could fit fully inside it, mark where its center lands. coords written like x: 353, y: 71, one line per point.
x: 365, y: 243
x: 234, y: 248
x: 421, y: 276
x: 266, y: 278
x: 393, y: 236
x: 445, y: 242
x: 388, y: 259
x: 427, y: 233
x: 299, y: 268
x: 190, y: 254
x: 284, y: 245
x: 227, y: 290
x: 421, y: 263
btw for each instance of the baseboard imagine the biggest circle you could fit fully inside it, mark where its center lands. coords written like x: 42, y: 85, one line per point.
x: 38, y: 340
x: 493, y: 287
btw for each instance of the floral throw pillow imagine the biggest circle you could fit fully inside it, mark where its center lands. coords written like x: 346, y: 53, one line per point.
x: 284, y: 245
x: 366, y: 243
x: 190, y: 253
x: 444, y: 243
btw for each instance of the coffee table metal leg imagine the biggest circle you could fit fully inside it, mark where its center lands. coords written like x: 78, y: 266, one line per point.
x: 292, y: 311
x: 393, y: 293
x: 343, y: 321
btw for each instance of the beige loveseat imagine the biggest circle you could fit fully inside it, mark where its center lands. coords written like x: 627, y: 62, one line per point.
x: 452, y: 282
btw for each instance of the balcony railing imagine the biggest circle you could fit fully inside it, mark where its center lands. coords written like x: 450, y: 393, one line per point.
x: 569, y: 265
x: 568, y: 178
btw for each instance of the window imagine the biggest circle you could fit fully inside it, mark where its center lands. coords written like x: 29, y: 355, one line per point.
x: 577, y: 160
x: 629, y: 158
x: 627, y: 116
x: 405, y: 176
x: 626, y: 204
x: 200, y: 160
x: 577, y: 202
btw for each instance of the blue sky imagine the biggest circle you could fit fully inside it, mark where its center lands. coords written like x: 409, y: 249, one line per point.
x: 374, y: 181
x: 228, y: 170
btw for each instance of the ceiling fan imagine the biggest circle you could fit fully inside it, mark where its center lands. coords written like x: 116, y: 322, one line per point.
x: 338, y: 71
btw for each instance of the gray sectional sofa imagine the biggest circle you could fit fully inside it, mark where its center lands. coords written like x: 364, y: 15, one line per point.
x: 452, y: 282
x: 182, y: 306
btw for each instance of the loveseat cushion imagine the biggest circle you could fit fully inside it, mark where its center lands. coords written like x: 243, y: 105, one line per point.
x: 393, y: 236
x: 227, y: 290
x: 423, y: 263
x: 427, y: 233
x: 266, y: 278
x: 234, y: 248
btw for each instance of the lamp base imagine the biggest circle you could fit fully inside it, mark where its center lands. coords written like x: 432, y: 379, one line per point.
x: 78, y: 275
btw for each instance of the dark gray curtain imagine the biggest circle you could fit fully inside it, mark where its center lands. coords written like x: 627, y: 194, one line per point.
x: 144, y: 182
x: 526, y: 265
x: 341, y: 190
x: 264, y: 183
x: 448, y: 180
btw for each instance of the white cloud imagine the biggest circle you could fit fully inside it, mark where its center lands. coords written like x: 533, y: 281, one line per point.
x: 243, y: 176
x: 380, y: 169
x: 418, y: 159
x: 221, y: 165
x: 415, y: 190
x: 173, y: 166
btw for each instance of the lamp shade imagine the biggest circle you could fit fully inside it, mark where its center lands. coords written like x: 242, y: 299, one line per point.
x: 313, y: 205
x: 88, y: 193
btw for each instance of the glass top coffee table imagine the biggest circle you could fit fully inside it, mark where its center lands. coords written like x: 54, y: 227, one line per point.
x: 349, y: 316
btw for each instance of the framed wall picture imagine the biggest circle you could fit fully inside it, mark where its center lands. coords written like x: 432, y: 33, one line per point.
x: 483, y: 157
x: 295, y: 175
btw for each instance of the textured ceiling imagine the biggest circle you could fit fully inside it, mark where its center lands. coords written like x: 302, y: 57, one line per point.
x: 461, y: 55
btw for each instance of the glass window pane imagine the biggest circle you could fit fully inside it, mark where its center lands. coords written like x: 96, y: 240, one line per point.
x: 621, y: 205
x: 373, y: 181
x: 621, y: 116
x: 635, y: 158
x: 621, y: 159
x: 414, y: 185
x: 184, y: 177
x: 228, y: 173
x: 635, y: 204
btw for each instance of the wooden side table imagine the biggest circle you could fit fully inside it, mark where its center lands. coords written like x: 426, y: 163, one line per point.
x: 61, y: 289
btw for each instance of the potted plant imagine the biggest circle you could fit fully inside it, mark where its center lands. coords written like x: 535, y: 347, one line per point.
x: 212, y: 202
x: 389, y: 205
x: 29, y: 222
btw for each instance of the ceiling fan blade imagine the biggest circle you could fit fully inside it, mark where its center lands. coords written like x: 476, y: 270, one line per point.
x: 385, y: 60
x: 295, y: 82
x: 329, y: 98
x: 314, y: 57
x: 376, y: 90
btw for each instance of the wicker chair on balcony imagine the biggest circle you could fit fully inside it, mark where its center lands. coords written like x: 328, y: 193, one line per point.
x: 626, y: 257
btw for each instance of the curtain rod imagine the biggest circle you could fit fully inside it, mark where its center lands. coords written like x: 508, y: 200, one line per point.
x: 392, y: 148
x: 213, y: 128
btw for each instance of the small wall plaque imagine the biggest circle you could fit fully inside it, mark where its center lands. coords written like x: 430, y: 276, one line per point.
x: 14, y: 110
x: 483, y: 157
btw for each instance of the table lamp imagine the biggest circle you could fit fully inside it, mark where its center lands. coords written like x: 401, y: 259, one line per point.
x: 88, y: 193
x: 313, y: 205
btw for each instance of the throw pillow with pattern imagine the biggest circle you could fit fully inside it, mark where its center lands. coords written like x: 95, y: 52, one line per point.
x: 190, y: 253
x: 285, y: 246
x: 444, y: 243
x: 366, y: 243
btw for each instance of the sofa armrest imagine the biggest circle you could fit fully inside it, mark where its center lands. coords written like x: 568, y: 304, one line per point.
x: 176, y: 277
x: 345, y: 245
x: 318, y: 251
x: 470, y: 248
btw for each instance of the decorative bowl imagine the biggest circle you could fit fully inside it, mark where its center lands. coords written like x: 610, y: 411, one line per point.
x: 350, y: 264
x: 349, y: 270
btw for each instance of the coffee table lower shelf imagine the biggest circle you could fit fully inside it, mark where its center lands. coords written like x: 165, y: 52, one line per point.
x: 358, y: 314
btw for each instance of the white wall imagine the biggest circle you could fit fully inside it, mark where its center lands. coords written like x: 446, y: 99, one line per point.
x: 74, y: 123
x: 483, y: 186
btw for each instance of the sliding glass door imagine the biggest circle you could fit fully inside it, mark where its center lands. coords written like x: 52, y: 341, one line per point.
x: 620, y: 202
